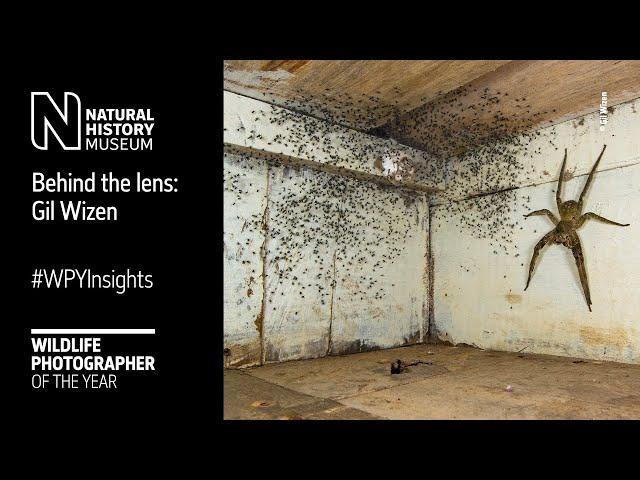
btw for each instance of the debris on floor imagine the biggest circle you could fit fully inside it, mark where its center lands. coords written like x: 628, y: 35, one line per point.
x: 508, y: 388
x: 400, y: 367
x: 397, y: 367
x: 461, y: 384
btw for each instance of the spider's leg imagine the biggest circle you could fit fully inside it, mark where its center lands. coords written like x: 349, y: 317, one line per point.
x: 593, y: 216
x: 544, y: 241
x: 558, y: 190
x: 590, y: 177
x: 579, y: 257
x: 546, y: 212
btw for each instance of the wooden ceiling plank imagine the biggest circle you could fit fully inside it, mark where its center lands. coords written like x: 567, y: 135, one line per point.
x: 398, y: 84
x: 530, y: 94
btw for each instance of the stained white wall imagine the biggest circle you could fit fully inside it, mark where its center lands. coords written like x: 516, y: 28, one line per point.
x: 318, y: 263
x: 260, y: 126
x: 350, y: 306
x: 298, y: 264
x: 540, y: 155
x: 245, y: 200
x: 384, y: 302
x: 346, y: 266
x: 479, y: 296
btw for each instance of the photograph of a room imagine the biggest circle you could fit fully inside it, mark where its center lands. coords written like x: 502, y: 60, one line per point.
x: 431, y: 239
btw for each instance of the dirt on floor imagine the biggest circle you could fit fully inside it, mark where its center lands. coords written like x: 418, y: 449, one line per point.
x: 451, y: 383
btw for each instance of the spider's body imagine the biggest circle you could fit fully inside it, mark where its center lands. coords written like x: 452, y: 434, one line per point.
x: 571, y: 219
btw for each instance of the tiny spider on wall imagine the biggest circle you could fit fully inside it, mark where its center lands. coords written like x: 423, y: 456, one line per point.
x: 565, y: 233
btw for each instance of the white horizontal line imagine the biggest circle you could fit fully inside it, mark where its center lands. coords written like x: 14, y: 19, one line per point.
x: 92, y: 331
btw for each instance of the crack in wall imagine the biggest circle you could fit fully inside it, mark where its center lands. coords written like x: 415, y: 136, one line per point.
x: 285, y: 159
x: 436, y: 202
x: 333, y: 290
x: 263, y: 254
x: 432, y: 334
x: 267, y: 226
x: 426, y: 307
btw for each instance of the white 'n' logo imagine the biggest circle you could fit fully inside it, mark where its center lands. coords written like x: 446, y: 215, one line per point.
x: 64, y: 115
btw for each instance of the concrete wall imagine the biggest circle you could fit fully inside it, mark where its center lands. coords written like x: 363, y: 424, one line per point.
x: 346, y: 266
x: 249, y: 123
x: 316, y: 262
x: 381, y: 294
x: 245, y: 181
x: 479, y: 279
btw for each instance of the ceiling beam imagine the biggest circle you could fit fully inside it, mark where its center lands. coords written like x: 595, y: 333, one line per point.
x: 360, y: 94
x: 518, y: 96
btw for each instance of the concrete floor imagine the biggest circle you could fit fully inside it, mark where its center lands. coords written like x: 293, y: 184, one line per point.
x: 460, y: 383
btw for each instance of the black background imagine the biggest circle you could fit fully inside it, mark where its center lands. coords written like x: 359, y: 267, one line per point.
x: 177, y: 238
x: 168, y: 235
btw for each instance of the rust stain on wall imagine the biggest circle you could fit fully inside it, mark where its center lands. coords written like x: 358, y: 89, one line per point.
x: 258, y: 322
x: 513, y: 298
x: 617, y: 337
x: 568, y: 175
x: 241, y: 355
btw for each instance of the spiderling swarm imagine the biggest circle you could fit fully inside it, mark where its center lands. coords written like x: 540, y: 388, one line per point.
x: 316, y: 219
x: 319, y: 214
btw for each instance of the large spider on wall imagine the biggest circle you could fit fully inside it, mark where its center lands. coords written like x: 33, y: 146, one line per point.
x: 565, y: 231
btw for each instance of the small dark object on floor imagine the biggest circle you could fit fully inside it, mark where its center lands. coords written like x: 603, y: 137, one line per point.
x: 397, y: 367
x: 578, y: 361
x: 400, y: 367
